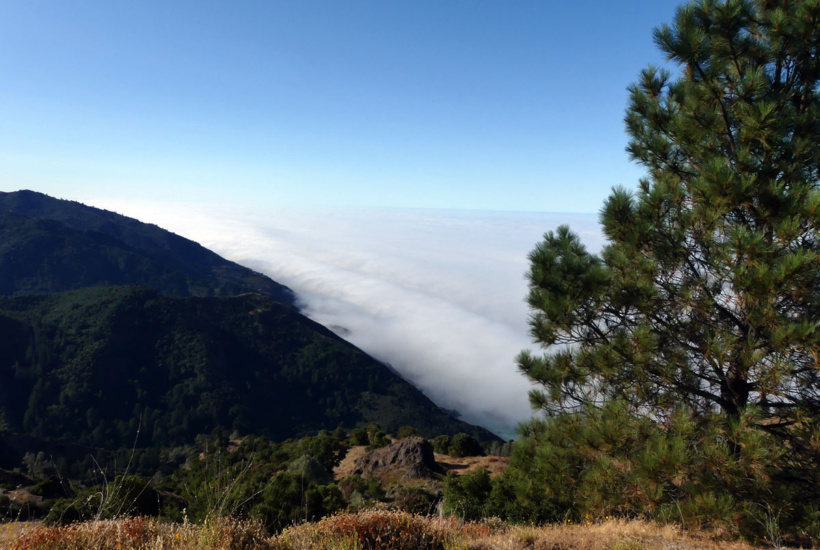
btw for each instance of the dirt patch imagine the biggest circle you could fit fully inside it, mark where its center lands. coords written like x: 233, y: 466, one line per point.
x: 495, y: 465
x: 23, y: 497
x: 348, y: 463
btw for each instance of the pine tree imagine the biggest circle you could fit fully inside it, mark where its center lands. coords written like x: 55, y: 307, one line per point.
x: 681, y: 371
x: 706, y: 294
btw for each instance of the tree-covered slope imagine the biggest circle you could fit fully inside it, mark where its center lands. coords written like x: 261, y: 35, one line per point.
x: 51, y: 245
x: 94, y: 365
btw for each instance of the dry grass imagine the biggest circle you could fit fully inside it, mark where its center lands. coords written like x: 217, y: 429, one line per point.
x: 14, y: 530
x: 495, y: 465
x: 608, y: 535
x: 373, y: 530
x: 346, y: 533
x: 145, y: 534
x: 348, y: 463
x: 450, y: 465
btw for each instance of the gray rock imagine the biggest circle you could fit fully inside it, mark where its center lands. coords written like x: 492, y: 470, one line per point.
x: 412, y: 456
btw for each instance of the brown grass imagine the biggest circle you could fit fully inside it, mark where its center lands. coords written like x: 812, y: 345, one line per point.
x: 495, y: 465
x: 343, y: 533
x: 390, y: 477
x: 372, y: 530
x: 145, y: 534
x: 608, y: 535
x: 347, y: 465
x: 12, y: 531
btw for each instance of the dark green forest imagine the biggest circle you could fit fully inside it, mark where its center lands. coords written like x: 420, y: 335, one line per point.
x: 51, y: 245
x: 97, y: 366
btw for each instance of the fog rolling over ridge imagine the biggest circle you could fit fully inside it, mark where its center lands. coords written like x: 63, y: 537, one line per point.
x: 439, y: 295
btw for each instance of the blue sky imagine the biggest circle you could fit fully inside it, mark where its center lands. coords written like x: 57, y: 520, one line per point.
x: 456, y: 104
x: 353, y: 150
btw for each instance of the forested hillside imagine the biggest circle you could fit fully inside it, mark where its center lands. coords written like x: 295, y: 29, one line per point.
x: 51, y: 245
x: 97, y: 364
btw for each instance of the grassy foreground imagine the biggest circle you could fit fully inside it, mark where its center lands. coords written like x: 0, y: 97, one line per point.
x: 372, y: 530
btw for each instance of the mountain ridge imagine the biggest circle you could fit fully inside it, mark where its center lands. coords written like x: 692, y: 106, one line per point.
x: 47, y: 232
x: 86, y: 355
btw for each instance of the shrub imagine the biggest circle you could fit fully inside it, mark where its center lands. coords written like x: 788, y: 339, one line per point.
x: 466, y: 496
x: 310, y: 470
x: 125, y: 496
x: 464, y: 445
x: 441, y: 444
x: 497, y: 448
x: 416, y: 500
x: 369, y: 487
x: 376, y: 437
x: 515, y: 499
x: 407, y: 431
x: 359, y: 437
x: 51, y: 488
x: 287, y: 499
x: 611, y: 462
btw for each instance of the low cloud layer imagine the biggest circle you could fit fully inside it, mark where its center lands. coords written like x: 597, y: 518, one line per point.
x: 439, y: 295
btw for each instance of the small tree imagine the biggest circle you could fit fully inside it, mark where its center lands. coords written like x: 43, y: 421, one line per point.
x: 359, y: 437
x: 464, y: 445
x: 441, y: 444
x: 407, y: 431
x: 466, y: 496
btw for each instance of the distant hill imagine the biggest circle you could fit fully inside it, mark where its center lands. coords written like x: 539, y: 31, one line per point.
x: 93, y: 365
x: 109, y: 324
x: 52, y: 245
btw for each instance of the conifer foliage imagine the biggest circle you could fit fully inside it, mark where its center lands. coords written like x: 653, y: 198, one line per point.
x: 706, y: 298
x: 707, y: 293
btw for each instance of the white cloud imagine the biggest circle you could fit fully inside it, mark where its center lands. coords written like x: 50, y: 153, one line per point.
x: 437, y: 294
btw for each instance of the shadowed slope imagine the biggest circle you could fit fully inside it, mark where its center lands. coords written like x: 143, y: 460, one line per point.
x: 52, y: 245
x: 93, y: 364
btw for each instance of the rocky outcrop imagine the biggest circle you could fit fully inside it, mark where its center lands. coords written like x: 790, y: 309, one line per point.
x: 411, y: 458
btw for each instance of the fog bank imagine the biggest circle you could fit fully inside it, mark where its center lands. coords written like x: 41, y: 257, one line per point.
x: 439, y: 295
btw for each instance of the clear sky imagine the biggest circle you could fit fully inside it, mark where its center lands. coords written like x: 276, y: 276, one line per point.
x: 465, y: 104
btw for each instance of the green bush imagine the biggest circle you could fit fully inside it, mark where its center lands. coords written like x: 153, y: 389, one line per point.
x: 310, y: 470
x: 376, y: 437
x: 276, y: 483
x: 416, y: 500
x: 441, y: 444
x: 287, y: 499
x: 516, y: 499
x: 466, y: 496
x: 367, y: 487
x: 51, y: 488
x: 464, y: 445
x: 611, y: 462
x: 407, y: 431
x: 125, y: 496
x: 359, y: 437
